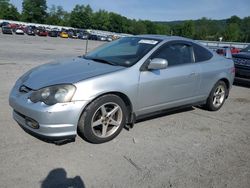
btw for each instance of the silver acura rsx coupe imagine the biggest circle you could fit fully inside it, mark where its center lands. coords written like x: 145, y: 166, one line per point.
x: 110, y: 87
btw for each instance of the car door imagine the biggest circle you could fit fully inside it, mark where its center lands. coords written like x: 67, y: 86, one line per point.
x: 176, y: 85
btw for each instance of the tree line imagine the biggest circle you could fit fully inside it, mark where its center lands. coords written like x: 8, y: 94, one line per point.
x: 83, y: 16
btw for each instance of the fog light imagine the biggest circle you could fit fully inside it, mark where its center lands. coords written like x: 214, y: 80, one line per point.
x: 31, y: 123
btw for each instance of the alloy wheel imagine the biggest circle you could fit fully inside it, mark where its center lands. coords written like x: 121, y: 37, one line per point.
x: 106, y: 120
x: 219, y: 96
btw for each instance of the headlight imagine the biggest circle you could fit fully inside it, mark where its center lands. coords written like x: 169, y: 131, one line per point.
x: 53, y: 94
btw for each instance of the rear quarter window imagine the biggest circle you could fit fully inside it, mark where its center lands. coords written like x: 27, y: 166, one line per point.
x: 201, y: 53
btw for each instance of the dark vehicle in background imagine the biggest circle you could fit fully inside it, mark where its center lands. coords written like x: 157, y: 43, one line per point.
x: 42, y: 33
x: 93, y: 37
x: 72, y: 34
x: 82, y: 36
x: 242, y: 64
x: 6, y: 30
x: 30, y: 30
x: 101, y: 38
x: 222, y: 51
x: 53, y: 33
x: 4, y: 24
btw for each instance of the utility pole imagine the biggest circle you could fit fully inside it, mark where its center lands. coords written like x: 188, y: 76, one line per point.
x: 86, y: 47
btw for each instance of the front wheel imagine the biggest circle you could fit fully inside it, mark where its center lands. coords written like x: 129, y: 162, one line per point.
x: 217, y: 96
x: 103, y: 119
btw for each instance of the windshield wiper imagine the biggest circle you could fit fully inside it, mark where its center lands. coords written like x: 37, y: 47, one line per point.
x: 102, y: 61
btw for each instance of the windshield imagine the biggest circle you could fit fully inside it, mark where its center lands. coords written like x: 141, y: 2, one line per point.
x: 247, y: 49
x: 123, y: 52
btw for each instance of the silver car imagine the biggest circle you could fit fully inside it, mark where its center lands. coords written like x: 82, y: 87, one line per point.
x: 112, y: 86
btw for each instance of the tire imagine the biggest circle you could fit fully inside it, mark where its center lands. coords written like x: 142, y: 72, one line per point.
x: 103, y: 119
x: 217, y: 96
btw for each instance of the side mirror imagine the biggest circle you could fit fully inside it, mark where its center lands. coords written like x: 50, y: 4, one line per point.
x: 157, y: 63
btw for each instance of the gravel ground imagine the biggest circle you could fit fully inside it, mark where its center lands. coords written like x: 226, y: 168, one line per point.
x: 188, y: 148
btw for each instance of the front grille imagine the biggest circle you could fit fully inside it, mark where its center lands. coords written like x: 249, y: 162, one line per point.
x: 242, y: 62
x: 24, y: 89
x: 28, y: 121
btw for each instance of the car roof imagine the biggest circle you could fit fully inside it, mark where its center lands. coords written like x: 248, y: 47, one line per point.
x: 163, y: 37
x: 171, y: 38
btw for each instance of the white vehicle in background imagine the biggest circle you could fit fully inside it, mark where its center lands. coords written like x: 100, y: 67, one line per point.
x: 109, y: 38
x: 19, y: 31
x: 102, y: 38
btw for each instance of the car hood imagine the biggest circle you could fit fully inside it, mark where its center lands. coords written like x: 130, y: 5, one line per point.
x: 245, y: 55
x: 66, y: 71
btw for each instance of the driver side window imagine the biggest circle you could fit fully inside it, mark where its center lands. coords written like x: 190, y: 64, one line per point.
x: 175, y: 54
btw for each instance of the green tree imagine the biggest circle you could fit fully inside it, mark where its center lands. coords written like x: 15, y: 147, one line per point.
x: 101, y: 20
x: 82, y: 17
x: 150, y: 26
x: 187, y: 29
x: 162, y: 29
x: 57, y: 16
x: 201, y: 29
x: 232, y: 32
x: 8, y: 11
x: 3, y: 6
x: 245, y: 37
x: 126, y: 25
x: 34, y: 11
x: 232, y: 29
x: 139, y: 27
x: 117, y: 23
x: 234, y: 19
x: 176, y: 29
x: 66, y: 19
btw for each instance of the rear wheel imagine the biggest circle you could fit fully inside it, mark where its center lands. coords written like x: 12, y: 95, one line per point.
x: 217, y: 96
x: 103, y: 119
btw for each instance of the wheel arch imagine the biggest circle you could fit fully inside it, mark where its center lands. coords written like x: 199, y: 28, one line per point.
x: 125, y: 99
x: 226, y: 81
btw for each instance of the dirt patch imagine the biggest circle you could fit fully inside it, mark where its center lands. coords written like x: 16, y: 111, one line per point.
x: 48, y: 49
x: 204, y: 129
x: 8, y: 63
x: 241, y: 100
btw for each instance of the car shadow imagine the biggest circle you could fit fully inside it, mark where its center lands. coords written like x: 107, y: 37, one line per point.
x: 241, y: 83
x: 56, y: 142
x: 58, y: 178
x: 163, y: 113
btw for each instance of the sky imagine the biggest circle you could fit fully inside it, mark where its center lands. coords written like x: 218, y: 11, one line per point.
x: 161, y: 10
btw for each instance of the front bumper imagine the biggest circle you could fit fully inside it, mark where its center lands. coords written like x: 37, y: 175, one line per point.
x: 54, y: 122
x: 242, y: 72
x: 7, y: 32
